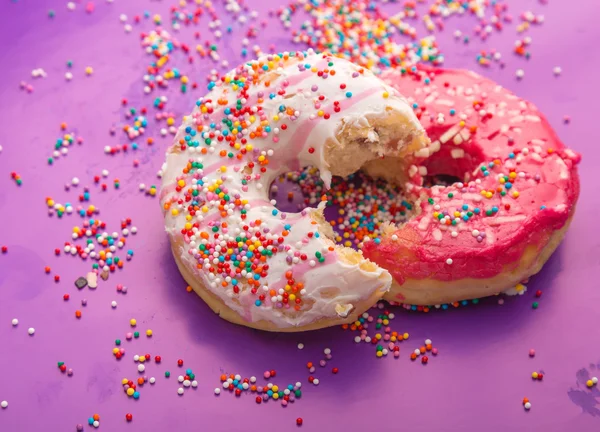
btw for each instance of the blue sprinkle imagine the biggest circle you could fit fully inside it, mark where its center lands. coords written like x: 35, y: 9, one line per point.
x: 508, y: 185
x: 465, y: 207
x: 257, y: 302
x: 542, y: 207
x: 511, y: 155
x: 274, y: 212
x: 348, y: 94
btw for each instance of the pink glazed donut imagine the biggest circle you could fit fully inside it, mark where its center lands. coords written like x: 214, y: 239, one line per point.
x: 507, y: 213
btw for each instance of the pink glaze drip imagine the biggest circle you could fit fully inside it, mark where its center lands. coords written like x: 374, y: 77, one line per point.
x: 422, y: 250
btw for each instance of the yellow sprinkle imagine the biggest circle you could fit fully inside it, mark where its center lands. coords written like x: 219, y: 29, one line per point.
x: 132, y: 322
x: 589, y: 383
x: 223, y: 168
x: 124, y: 381
x: 170, y: 121
x: 379, y: 353
x: 174, y: 212
x: 386, y: 95
x: 181, y: 183
x: 405, y: 336
x: 115, y: 350
x: 130, y: 391
x: 515, y: 194
x: 534, y: 375
x: 89, y: 70
x: 148, y: 332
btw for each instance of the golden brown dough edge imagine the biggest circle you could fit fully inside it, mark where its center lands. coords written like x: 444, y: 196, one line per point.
x: 225, y: 312
x: 428, y: 292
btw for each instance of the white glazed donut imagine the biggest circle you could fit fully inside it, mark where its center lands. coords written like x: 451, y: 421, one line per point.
x: 253, y: 264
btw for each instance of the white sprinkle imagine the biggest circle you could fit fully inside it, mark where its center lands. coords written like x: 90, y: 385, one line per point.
x: 394, y: 237
x: 31, y: 331
x: 520, y: 73
x: 152, y: 380
x: 557, y: 70
x: 252, y: 379
x: 427, y: 341
x: 142, y: 186
x: 104, y: 173
x: 454, y: 234
x: 528, y: 406
x: 391, y: 316
x: 15, y: 322
x: 141, y: 368
x: 3, y: 404
x: 300, y: 346
x: 449, y: 261
x: 96, y: 424
x: 136, y: 358
x: 195, y: 383
x: 113, y: 304
x: 68, y: 76
x: 180, y: 378
x: 187, y: 383
x: 417, y: 351
x: 357, y: 339
x: 595, y: 380
x: 316, y: 381
x: 217, y: 391
x: 327, y: 351
x: 180, y: 391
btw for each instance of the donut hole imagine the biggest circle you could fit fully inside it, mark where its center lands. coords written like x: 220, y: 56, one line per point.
x: 357, y: 206
x: 440, y: 180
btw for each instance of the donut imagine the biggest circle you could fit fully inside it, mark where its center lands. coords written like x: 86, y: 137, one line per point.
x: 511, y: 195
x: 250, y: 262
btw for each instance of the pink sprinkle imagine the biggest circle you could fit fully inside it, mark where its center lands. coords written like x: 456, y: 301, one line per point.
x: 267, y: 375
x: 128, y: 336
x: 531, y: 352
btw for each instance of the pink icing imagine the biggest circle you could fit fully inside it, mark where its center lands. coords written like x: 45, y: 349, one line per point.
x: 504, y: 124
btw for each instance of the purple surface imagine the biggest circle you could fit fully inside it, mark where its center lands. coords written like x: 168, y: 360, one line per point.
x: 483, y: 370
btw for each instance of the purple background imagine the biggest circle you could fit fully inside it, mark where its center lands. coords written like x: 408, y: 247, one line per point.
x: 483, y: 370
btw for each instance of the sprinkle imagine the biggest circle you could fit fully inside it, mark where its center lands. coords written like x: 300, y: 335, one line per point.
x: 31, y: 331
x: 15, y: 322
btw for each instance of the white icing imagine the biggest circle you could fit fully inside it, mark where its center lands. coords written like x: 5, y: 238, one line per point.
x: 351, y: 284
